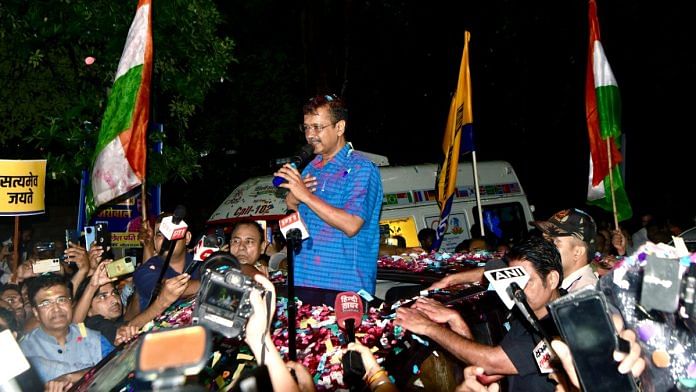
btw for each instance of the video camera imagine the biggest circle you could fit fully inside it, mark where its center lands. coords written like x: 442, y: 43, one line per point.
x: 223, y: 301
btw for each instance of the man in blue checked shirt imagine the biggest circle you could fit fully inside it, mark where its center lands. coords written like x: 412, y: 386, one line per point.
x: 339, y: 197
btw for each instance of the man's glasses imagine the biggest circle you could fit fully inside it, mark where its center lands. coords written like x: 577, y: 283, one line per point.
x: 317, y: 128
x: 61, y: 301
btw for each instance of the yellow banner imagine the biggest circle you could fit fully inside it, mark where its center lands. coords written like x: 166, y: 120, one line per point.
x: 125, y: 240
x: 22, y: 187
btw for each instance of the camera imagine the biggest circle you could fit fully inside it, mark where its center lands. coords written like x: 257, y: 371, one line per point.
x: 223, y: 302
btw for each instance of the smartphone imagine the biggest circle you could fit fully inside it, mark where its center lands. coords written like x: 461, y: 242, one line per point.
x: 103, y: 239
x: 584, y: 324
x: 90, y: 236
x: 46, y: 265
x: 120, y: 267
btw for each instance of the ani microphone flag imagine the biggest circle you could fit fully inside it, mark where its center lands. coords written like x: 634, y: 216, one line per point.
x: 119, y: 159
x: 458, y: 132
x: 603, y: 111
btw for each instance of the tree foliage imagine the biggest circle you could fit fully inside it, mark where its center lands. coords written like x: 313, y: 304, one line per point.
x: 51, y: 100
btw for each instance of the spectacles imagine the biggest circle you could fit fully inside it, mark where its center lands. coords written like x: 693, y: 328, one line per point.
x: 60, y: 301
x: 317, y: 128
x: 248, y: 243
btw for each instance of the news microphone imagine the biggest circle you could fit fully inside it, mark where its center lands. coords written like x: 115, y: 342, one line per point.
x: 517, y: 294
x: 173, y: 227
x: 349, y: 311
x: 296, y: 161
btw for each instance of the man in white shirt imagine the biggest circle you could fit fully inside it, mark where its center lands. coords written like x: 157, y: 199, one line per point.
x: 573, y: 232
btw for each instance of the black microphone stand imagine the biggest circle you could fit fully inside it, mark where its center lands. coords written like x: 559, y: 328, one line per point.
x: 294, y: 241
x: 158, y: 286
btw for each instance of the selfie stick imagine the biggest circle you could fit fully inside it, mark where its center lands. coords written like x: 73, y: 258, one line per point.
x: 294, y: 240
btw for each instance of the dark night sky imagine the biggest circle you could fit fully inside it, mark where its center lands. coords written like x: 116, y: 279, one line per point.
x: 527, y: 65
x: 397, y: 62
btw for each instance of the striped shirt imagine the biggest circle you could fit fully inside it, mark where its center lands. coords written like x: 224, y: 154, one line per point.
x: 329, y: 259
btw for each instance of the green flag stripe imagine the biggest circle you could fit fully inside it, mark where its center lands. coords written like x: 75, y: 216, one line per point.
x: 623, y: 206
x: 119, y: 110
x: 609, y: 108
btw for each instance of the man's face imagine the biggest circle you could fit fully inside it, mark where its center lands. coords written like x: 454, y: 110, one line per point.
x: 324, y: 135
x: 566, y: 247
x: 179, y: 249
x: 107, y: 303
x: 246, y: 244
x: 14, y: 298
x: 53, y: 308
x: 538, y: 292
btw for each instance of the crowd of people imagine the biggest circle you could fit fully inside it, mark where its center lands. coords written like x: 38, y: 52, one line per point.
x: 67, y: 321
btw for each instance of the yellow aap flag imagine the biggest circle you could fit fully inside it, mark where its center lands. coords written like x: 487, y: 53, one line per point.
x: 22, y: 187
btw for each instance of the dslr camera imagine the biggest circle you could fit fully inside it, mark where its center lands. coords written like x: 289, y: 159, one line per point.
x: 223, y: 301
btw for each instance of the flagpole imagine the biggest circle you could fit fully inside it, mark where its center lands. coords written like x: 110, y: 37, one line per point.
x: 611, y: 185
x: 478, y: 192
x: 143, y: 194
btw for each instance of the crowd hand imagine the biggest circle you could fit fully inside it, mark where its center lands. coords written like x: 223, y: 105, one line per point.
x: 225, y: 248
x: 413, y: 320
x: 100, y: 277
x: 618, y: 240
x: 126, y: 333
x: 76, y: 253
x: 631, y: 362
x: 445, y: 282
x: 435, y: 310
x: 59, y: 384
x: 95, y: 253
x: 305, y: 382
x: 369, y: 361
x: 472, y: 384
x: 258, y: 323
x: 173, y: 288
x: 146, y: 235
x: 25, y: 270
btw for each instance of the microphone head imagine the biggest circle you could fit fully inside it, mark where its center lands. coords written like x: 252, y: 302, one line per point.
x: 306, y: 152
x: 348, y: 305
x: 179, y: 214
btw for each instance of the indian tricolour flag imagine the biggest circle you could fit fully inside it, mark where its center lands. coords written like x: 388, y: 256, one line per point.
x: 603, y: 111
x: 119, y: 158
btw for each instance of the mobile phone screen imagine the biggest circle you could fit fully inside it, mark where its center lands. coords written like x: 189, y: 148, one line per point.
x: 591, y: 337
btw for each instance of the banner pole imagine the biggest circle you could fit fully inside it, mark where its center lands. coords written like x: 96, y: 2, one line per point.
x: 15, y: 246
x: 478, y: 192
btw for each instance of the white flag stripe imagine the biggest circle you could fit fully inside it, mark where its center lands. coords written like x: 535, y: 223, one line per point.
x: 112, y: 175
x: 603, y: 76
x: 595, y: 192
x: 134, y: 50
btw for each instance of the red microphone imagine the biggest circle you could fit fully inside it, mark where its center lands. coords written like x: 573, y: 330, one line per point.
x: 349, y: 311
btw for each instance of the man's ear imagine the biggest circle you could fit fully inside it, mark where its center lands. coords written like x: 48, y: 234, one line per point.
x: 188, y: 237
x: 341, y: 127
x: 35, y: 311
x: 553, y: 279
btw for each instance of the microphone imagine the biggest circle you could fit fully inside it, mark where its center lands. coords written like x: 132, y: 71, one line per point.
x: 349, y: 311
x: 173, y: 227
x: 297, y: 161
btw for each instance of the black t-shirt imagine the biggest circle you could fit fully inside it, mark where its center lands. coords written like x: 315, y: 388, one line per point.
x: 519, y: 345
x: 106, y: 327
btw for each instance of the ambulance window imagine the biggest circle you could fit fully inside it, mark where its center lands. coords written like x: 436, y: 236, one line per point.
x: 503, y: 223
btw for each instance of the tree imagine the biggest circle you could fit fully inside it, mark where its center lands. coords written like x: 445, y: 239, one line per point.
x: 51, y: 96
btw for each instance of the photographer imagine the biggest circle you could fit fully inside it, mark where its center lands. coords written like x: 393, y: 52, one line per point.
x: 259, y: 339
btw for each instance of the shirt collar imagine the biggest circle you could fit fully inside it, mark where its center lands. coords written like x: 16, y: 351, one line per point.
x: 340, y: 158
x: 575, y: 276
